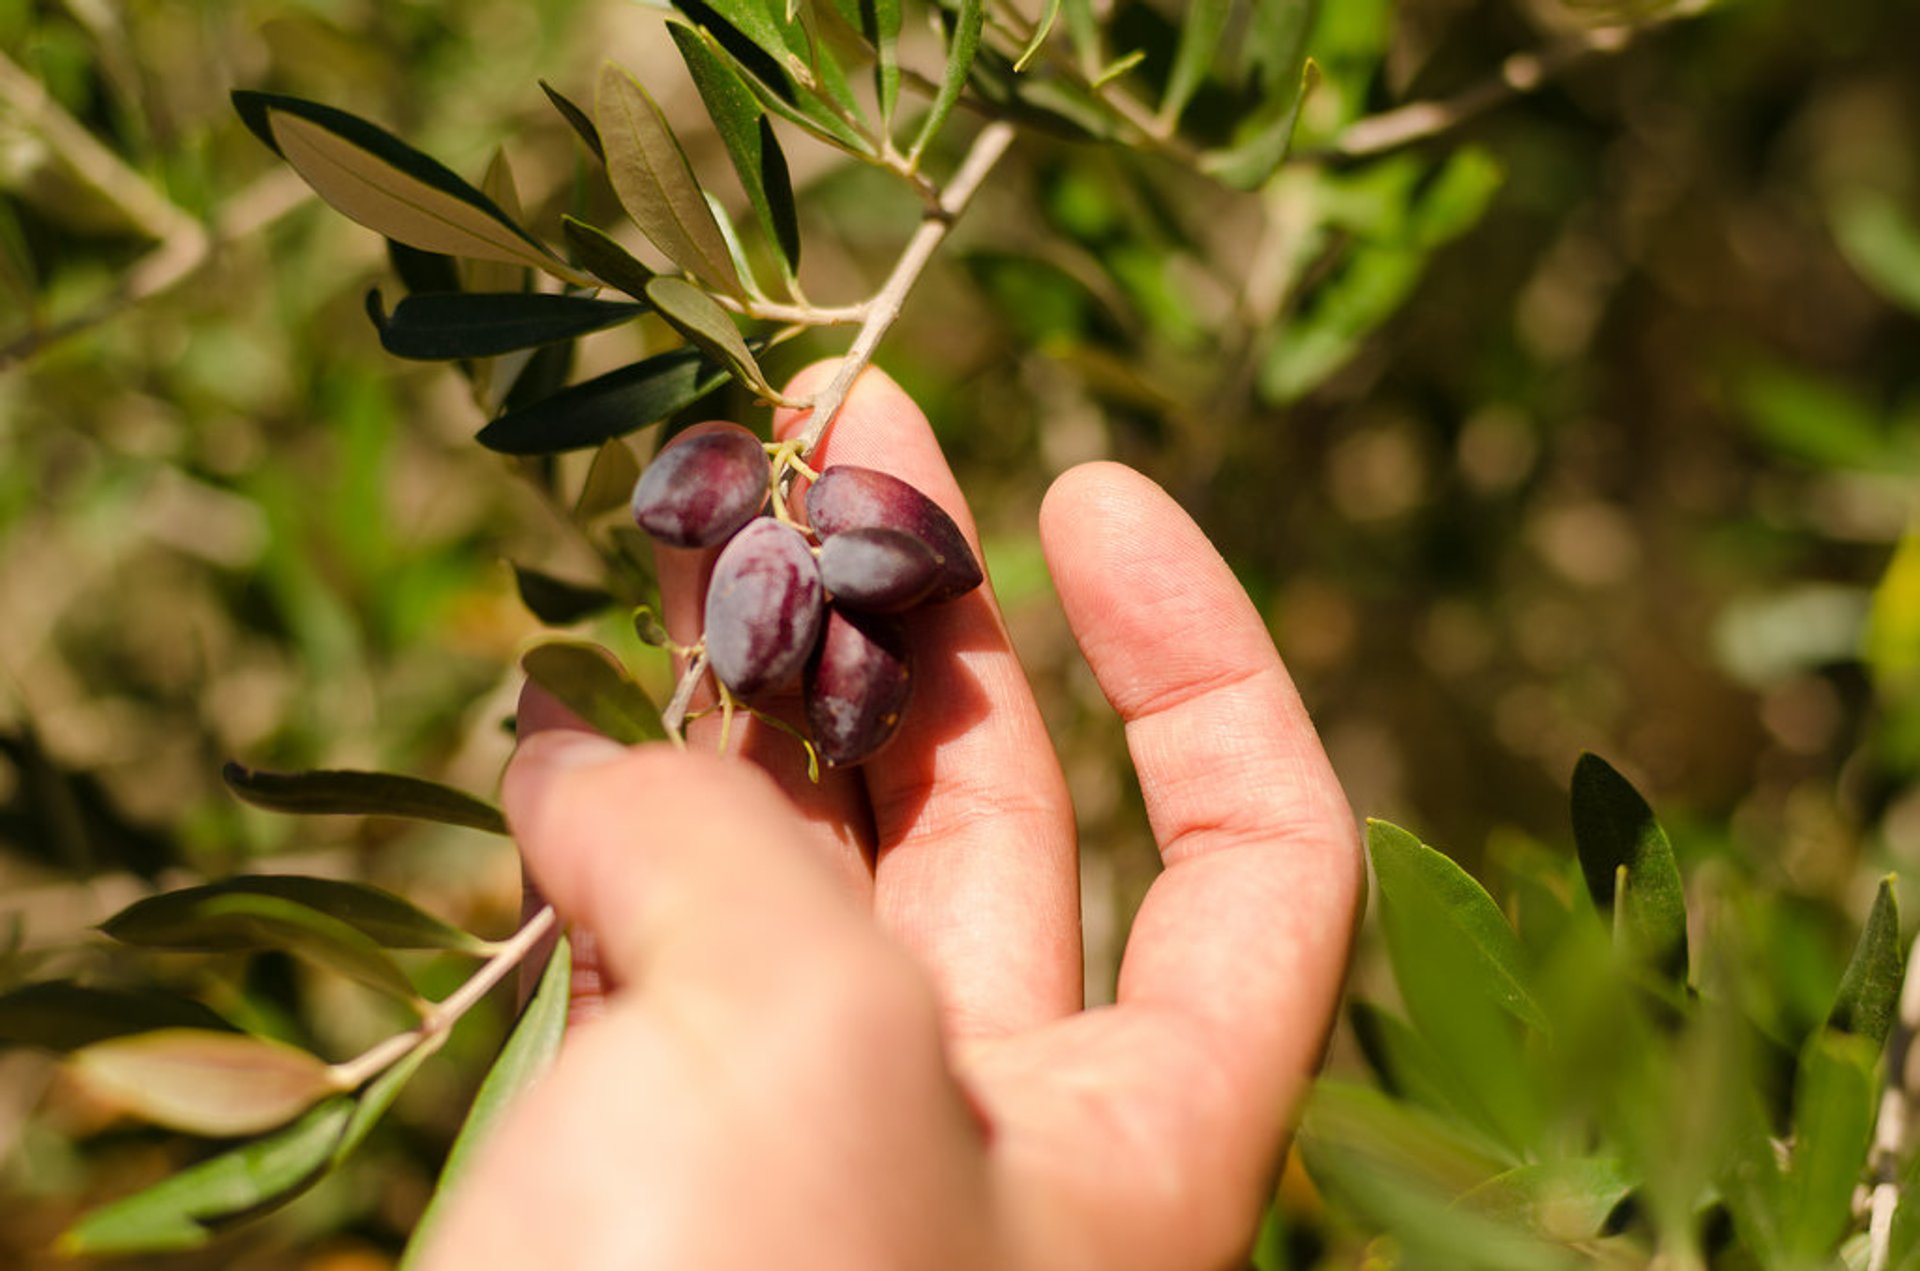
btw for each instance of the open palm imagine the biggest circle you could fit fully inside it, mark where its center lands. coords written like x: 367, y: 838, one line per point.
x: 840, y: 1025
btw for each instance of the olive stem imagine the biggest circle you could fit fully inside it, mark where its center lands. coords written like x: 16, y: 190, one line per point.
x: 674, y: 717
x: 442, y: 1016
x: 884, y: 308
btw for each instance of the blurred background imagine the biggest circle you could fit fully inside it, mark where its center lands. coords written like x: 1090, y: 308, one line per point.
x: 1590, y: 423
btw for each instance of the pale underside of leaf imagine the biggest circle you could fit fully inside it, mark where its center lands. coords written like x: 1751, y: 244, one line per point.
x: 205, y: 1082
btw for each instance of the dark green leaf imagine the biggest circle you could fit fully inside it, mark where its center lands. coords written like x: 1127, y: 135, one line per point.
x: 1201, y: 23
x: 587, y: 681
x: 695, y: 315
x: 378, y: 180
x: 1261, y: 143
x: 742, y: 124
x: 1565, y: 1201
x: 606, y: 259
x: 214, y: 918
x: 337, y: 792
x: 555, y: 601
x: 382, y: 917
x: 963, y: 41
x: 184, y: 1211
x: 213, y: 1083
x: 1277, y: 42
x: 609, y: 482
x: 420, y: 271
x: 610, y: 405
x: 1869, y: 994
x: 62, y: 1016
x: 770, y: 83
x: 1613, y: 828
x: 458, y: 324
x: 528, y: 1053
x: 1833, y: 1107
x: 1403, y: 864
x: 655, y: 183
x: 577, y: 119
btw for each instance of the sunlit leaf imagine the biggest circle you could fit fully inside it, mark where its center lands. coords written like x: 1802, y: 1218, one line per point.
x: 1613, y: 828
x: 447, y: 325
x: 1041, y: 30
x: 654, y: 182
x: 378, y: 180
x: 555, y: 601
x: 495, y: 276
x: 742, y: 124
x: 609, y: 481
x: 585, y: 679
x: 338, y: 792
x: 373, y: 1101
x: 186, y: 1210
x: 605, y: 258
x: 1201, y: 22
x: 694, y: 314
x: 610, y: 405
x: 201, y: 1082
x: 1561, y: 1200
x: 881, y: 19
x: 577, y: 119
x: 528, y: 1053
x: 1406, y: 1066
x: 1818, y: 421
x: 1893, y: 623
x: 1456, y: 198
x: 388, y: 920
x: 61, y: 1015
x: 1833, y: 1109
x: 1869, y: 995
x: 1403, y: 864
x: 216, y: 918
x: 1276, y: 45
x: 1261, y: 142
x: 963, y: 41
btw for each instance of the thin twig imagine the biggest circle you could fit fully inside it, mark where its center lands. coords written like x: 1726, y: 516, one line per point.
x: 1519, y: 75
x: 988, y: 147
x: 442, y: 1016
x: 674, y: 717
x: 1890, y: 1130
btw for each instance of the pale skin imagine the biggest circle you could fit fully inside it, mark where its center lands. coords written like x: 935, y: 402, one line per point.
x: 840, y: 1027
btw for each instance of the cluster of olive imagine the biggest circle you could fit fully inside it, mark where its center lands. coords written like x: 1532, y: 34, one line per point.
x: 824, y: 605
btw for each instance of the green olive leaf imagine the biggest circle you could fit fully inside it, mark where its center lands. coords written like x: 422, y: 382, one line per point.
x: 174, y: 919
x: 63, y: 1016
x: 1261, y: 143
x: 459, y: 324
x: 655, y: 183
x: 343, y: 792
x: 610, y: 405
x: 211, y: 1083
x: 577, y: 119
x: 1833, y: 1111
x: 1201, y: 24
x: 605, y: 258
x: 1869, y: 995
x: 694, y: 314
x: 743, y: 127
x: 1614, y: 829
x: 529, y: 1052
x: 963, y: 41
x: 374, y: 178
x: 555, y: 601
x: 216, y: 917
x: 880, y: 19
x: 1041, y: 30
x: 587, y: 681
x: 609, y: 482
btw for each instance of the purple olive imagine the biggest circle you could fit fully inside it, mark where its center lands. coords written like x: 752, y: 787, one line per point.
x: 763, y: 608
x: 702, y: 488
x: 857, y: 686
x: 849, y: 498
x: 877, y: 571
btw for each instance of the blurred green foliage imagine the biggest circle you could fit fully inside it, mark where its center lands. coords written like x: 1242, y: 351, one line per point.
x: 1592, y: 423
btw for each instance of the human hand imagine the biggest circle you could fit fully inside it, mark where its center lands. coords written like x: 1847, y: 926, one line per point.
x: 840, y: 1026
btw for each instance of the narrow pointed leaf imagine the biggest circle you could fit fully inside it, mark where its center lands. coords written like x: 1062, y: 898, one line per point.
x: 212, y: 919
x: 1562, y: 1200
x: 62, y: 1016
x: 1084, y: 27
x: 881, y: 21
x: 1404, y: 865
x: 498, y: 275
x: 610, y: 405
x: 1833, y: 1108
x: 339, y: 792
x: 420, y: 271
x: 205, y: 1082
x: 742, y: 124
x: 379, y: 1094
x: 655, y: 183
x: 962, y: 43
x: 577, y: 119
x: 1613, y: 827
x: 374, y: 178
x: 528, y: 1053
x: 585, y: 679
x: 1201, y: 23
x: 171, y: 919
x: 187, y: 1209
x: 1261, y: 144
x: 1869, y: 994
x: 609, y: 482
x: 606, y: 259
x: 447, y: 325
x: 693, y: 313
x: 1277, y: 42
x: 555, y: 601
x: 1041, y: 31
